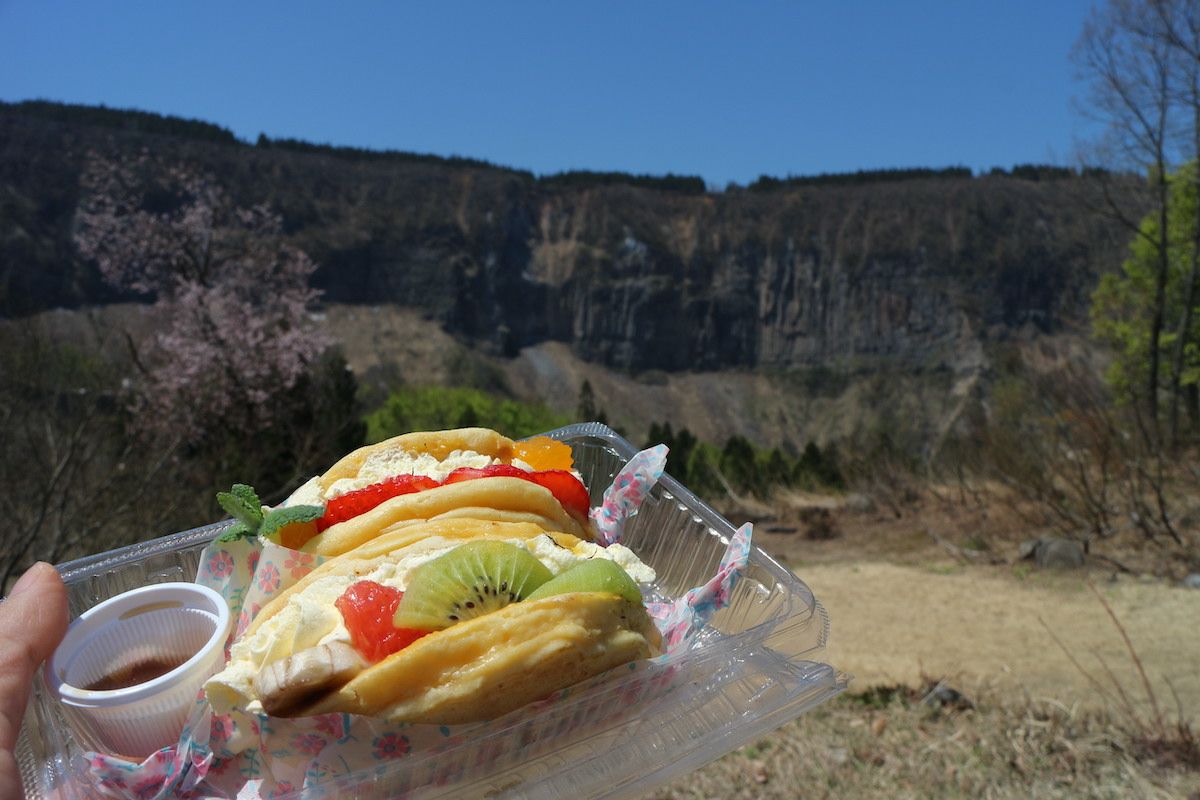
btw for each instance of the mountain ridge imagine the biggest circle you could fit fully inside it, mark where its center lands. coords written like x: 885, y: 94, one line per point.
x: 911, y: 274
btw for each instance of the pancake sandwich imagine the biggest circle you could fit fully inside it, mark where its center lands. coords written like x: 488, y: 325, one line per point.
x: 443, y: 621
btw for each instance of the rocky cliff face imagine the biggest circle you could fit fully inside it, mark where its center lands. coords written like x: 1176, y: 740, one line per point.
x: 913, y: 275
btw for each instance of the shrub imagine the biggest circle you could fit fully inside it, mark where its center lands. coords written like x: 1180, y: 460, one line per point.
x: 437, y: 407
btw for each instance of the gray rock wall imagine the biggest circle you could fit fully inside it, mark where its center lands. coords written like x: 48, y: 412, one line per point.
x: 904, y: 274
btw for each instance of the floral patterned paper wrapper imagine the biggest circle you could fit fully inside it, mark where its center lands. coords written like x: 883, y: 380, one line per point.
x: 245, y: 755
x: 628, y: 490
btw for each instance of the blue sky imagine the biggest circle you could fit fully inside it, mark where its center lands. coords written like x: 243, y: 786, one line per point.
x: 727, y: 90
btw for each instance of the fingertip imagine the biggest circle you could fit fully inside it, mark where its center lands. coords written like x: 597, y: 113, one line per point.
x: 36, y: 610
x: 40, y: 575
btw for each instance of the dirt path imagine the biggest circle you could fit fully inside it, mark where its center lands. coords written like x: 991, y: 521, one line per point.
x: 893, y: 624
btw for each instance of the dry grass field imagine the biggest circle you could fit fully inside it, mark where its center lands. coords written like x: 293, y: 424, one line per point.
x: 1016, y: 644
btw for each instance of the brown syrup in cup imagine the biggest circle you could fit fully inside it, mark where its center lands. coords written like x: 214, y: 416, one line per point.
x: 132, y: 674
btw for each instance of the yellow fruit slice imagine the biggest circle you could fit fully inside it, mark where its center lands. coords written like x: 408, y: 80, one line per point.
x: 542, y: 452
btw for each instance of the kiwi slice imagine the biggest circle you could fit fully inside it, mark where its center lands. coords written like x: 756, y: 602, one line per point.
x: 593, y: 575
x: 468, y: 582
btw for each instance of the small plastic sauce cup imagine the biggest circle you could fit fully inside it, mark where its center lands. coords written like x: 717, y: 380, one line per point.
x: 129, y: 670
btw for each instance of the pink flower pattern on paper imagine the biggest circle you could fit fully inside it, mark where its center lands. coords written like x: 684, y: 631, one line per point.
x: 390, y: 745
x: 113, y: 781
x: 679, y: 619
x: 252, y: 560
x: 310, y: 744
x: 222, y: 728
x: 281, y: 789
x: 298, y: 564
x: 245, y: 617
x: 268, y: 578
x: 332, y: 725
x: 220, y: 564
x: 629, y: 489
x: 149, y: 787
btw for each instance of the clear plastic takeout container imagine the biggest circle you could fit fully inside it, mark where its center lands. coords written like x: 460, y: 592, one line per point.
x: 755, y: 667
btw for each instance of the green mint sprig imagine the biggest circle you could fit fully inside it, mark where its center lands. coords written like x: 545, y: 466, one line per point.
x: 242, y: 503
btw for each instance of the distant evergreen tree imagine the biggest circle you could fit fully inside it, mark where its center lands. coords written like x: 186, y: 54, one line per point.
x: 469, y: 418
x: 818, y: 467
x: 125, y: 119
x: 680, y: 184
x: 680, y: 460
x: 586, y: 410
x: 739, y: 464
x: 767, y: 183
x: 777, y: 470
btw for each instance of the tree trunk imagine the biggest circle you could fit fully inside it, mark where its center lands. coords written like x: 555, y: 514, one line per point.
x: 1160, y: 299
x: 1183, y: 333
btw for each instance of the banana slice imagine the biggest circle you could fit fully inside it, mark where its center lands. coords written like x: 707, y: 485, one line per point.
x: 307, y: 676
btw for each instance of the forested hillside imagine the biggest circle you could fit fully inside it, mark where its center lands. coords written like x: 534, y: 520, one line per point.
x: 912, y: 268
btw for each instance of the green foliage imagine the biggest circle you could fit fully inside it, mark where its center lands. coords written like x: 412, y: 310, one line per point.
x: 740, y: 466
x: 242, y: 503
x: 586, y: 411
x: 748, y: 469
x: 418, y: 408
x: 1123, y: 302
x: 277, y: 518
x: 817, y: 467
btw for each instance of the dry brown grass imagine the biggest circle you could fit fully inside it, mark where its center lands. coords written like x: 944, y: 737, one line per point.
x: 892, y: 624
x: 888, y: 745
x: 904, y: 608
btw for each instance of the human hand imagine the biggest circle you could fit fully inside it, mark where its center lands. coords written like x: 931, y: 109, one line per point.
x: 33, y: 620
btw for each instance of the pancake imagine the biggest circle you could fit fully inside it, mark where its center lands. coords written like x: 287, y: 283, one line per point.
x: 485, y: 667
x: 438, y: 444
x: 494, y: 499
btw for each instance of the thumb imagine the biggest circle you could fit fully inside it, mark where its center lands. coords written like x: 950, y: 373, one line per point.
x: 33, y: 620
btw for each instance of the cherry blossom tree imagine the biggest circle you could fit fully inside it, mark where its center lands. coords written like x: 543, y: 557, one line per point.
x: 230, y: 294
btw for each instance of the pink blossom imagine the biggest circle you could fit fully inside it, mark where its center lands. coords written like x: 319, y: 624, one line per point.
x: 231, y: 294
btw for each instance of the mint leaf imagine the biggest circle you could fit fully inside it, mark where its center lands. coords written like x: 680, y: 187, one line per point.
x: 247, y: 494
x: 242, y: 504
x: 276, y: 518
x: 237, y: 530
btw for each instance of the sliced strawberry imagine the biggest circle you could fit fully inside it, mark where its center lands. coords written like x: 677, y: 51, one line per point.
x: 367, y: 608
x: 568, y: 490
x: 493, y: 471
x: 360, y: 501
